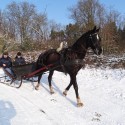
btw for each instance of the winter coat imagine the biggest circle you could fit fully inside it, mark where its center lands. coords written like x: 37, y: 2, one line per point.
x: 19, y: 61
x: 7, y: 61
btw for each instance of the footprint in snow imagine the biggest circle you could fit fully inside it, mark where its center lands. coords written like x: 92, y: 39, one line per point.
x: 96, y: 117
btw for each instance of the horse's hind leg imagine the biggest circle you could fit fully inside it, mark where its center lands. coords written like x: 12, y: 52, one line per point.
x: 50, y: 79
x: 67, y: 89
x: 39, y: 78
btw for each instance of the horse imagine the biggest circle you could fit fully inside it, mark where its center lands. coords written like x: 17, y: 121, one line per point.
x: 69, y: 60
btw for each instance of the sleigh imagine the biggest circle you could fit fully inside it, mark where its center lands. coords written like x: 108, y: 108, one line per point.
x: 25, y: 72
x: 28, y: 72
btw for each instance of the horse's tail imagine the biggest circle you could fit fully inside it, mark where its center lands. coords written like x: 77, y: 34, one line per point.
x: 39, y: 61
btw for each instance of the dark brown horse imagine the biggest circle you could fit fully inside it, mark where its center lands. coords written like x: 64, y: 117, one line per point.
x: 68, y: 60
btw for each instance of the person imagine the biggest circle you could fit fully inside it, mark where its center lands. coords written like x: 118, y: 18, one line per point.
x: 6, y: 64
x: 62, y: 45
x: 5, y: 61
x: 19, y: 60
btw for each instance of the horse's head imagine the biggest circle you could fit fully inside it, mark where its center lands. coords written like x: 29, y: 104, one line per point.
x: 94, y: 41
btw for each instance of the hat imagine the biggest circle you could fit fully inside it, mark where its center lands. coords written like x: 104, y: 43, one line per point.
x: 5, y: 53
x: 19, y: 54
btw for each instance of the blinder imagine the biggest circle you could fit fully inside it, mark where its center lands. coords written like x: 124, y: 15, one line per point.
x: 95, y: 46
x: 92, y: 38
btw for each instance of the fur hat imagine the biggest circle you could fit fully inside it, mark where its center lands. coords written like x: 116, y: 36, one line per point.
x: 19, y: 54
x: 5, y: 53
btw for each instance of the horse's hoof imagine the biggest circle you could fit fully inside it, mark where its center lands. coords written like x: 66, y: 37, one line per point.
x: 36, y: 88
x: 79, y: 104
x: 64, y: 93
x: 52, y: 92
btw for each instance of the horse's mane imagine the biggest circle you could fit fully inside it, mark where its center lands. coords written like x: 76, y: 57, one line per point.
x: 81, y: 39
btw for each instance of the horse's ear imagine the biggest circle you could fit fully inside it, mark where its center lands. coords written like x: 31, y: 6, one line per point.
x: 98, y: 29
x: 94, y: 29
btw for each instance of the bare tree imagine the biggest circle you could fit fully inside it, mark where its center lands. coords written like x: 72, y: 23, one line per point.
x: 87, y: 13
x: 26, y: 20
x: 110, y: 32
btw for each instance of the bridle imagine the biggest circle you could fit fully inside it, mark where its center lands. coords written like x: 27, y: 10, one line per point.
x: 83, y: 47
x: 91, y: 38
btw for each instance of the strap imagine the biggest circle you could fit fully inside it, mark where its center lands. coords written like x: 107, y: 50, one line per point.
x: 36, y: 71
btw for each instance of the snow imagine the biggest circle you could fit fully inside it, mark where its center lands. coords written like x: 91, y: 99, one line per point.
x: 101, y: 90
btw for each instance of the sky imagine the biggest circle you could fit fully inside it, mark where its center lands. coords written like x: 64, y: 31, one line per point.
x: 57, y: 10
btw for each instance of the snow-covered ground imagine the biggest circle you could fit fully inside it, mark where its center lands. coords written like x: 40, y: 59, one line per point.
x: 101, y: 90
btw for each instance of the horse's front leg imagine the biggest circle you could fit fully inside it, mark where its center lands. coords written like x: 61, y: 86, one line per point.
x: 38, y: 84
x: 50, y: 79
x: 74, y: 82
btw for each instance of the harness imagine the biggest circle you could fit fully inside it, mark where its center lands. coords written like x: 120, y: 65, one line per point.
x: 83, y: 47
x: 92, y: 39
x: 64, y: 61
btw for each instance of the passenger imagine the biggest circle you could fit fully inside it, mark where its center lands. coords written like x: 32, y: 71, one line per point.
x: 5, y: 61
x: 6, y: 64
x: 19, y: 60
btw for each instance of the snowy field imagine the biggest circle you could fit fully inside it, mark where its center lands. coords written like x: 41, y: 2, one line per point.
x: 101, y: 90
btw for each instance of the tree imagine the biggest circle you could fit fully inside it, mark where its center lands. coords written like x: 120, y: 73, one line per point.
x: 110, y: 32
x: 25, y: 21
x: 121, y: 33
x: 88, y: 13
x: 72, y: 33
